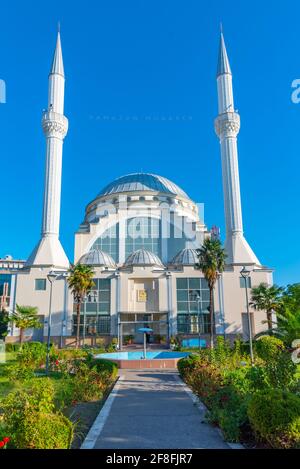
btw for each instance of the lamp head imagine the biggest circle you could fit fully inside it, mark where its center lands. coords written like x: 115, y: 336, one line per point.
x: 52, y: 276
x: 245, y: 273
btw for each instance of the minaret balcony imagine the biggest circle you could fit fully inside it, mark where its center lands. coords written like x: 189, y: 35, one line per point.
x: 54, y: 124
x: 227, y: 124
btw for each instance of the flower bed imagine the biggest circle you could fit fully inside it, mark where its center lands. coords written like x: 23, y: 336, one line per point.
x: 37, y: 412
x: 241, y: 399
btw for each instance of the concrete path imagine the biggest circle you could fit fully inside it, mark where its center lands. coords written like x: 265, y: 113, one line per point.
x: 152, y: 410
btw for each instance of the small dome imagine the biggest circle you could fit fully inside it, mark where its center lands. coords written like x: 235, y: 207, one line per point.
x: 97, y: 257
x: 143, y: 257
x: 187, y: 256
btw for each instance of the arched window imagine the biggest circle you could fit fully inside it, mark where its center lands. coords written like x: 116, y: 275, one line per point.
x: 143, y: 232
x: 109, y: 242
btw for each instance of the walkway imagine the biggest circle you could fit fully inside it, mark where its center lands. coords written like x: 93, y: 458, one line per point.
x: 151, y: 409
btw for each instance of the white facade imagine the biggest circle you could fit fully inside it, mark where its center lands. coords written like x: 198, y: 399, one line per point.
x: 140, y: 235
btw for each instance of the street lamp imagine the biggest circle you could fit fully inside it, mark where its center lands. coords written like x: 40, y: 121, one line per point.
x: 246, y: 274
x: 52, y: 276
x: 85, y: 298
x: 197, y: 297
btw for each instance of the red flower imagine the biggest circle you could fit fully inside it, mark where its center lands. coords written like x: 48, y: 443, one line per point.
x: 57, y: 363
x: 2, y: 444
x: 6, y: 439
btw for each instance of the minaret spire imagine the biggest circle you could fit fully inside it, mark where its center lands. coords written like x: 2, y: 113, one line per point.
x: 49, y: 251
x: 227, y: 126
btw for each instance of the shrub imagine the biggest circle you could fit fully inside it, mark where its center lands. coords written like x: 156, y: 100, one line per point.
x: 32, y: 354
x: 278, y: 370
x: 268, y: 348
x: 30, y: 420
x: 113, y: 345
x: 204, y: 377
x: 106, y: 366
x: 275, y: 418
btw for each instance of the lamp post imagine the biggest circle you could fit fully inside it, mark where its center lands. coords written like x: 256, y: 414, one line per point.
x: 246, y: 274
x: 85, y: 298
x: 197, y: 297
x: 52, y: 276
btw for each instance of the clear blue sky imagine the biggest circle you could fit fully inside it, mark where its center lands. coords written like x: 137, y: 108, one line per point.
x: 151, y: 60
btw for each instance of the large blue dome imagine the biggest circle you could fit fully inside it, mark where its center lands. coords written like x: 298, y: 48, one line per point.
x: 142, y: 182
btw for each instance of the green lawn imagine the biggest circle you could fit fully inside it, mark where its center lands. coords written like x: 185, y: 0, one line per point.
x: 5, y: 385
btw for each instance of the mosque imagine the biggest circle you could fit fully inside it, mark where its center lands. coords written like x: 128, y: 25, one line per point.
x: 140, y: 235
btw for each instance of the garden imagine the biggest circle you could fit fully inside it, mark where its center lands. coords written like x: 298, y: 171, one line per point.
x: 53, y: 410
x: 257, y: 405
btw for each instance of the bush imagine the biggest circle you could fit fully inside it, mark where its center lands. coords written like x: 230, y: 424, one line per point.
x: 278, y: 370
x: 268, y: 348
x: 12, y: 347
x: 106, y: 366
x: 204, y: 377
x: 32, y: 354
x: 275, y: 418
x: 30, y: 420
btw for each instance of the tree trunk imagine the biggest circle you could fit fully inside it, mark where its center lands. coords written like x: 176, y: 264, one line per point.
x: 270, y: 322
x: 212, y: 316
x: 78, y: 324
x: 21, y: 335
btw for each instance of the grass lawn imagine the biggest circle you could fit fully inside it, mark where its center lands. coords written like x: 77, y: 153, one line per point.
x: 5, y: 385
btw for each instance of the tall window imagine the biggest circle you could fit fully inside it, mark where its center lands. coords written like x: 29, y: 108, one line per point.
x: 108, y: 242
x: 5, y: 279
x: 95, y: 312
x: 143, y: 232
x: 188, y: 308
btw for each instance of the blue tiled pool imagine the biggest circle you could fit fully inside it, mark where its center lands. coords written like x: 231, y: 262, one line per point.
x: 139, y: 355
x: 193, y: 343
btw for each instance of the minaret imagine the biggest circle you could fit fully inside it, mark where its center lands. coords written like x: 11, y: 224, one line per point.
x: 49, y: 251
x: 227, y: 126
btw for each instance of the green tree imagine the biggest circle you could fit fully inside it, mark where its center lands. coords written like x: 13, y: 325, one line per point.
x: 81, y: 282
x: 25, y: 317
x: 291, y: 299
x: 267, y: 298
x: 3, y: 323
x: 286, y: 328
x: 211, y: 260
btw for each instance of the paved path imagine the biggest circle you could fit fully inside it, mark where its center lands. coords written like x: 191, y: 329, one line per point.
x: 151, y: 409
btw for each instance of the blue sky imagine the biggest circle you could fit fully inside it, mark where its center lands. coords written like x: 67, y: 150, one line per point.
x: 141, y: 95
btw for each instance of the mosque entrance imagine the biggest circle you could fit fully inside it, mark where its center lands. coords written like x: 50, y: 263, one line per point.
x: 129, y: 324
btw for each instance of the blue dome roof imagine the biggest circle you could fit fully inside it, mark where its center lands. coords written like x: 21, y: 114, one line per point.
x: 186, y: 256
x: 142, y: 182
x: 143, y: 257
x: 97, y: 257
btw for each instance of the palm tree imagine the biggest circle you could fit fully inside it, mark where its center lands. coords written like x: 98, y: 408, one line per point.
x: 287, y: 328
x: 25, y: 317
x: 81, y: 282
x: 267, y: 298
x: 211, y: 260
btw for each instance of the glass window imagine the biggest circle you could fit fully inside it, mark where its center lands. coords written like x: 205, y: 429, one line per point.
x: 40, y: 284
x: 194, y: 283
x: 182, y: 284
x: 143, y: 232
x: 98, y: 299
x: 189, y: 324
x: 188, y: 290
x: 5, y: 280
x: 108, y: 242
